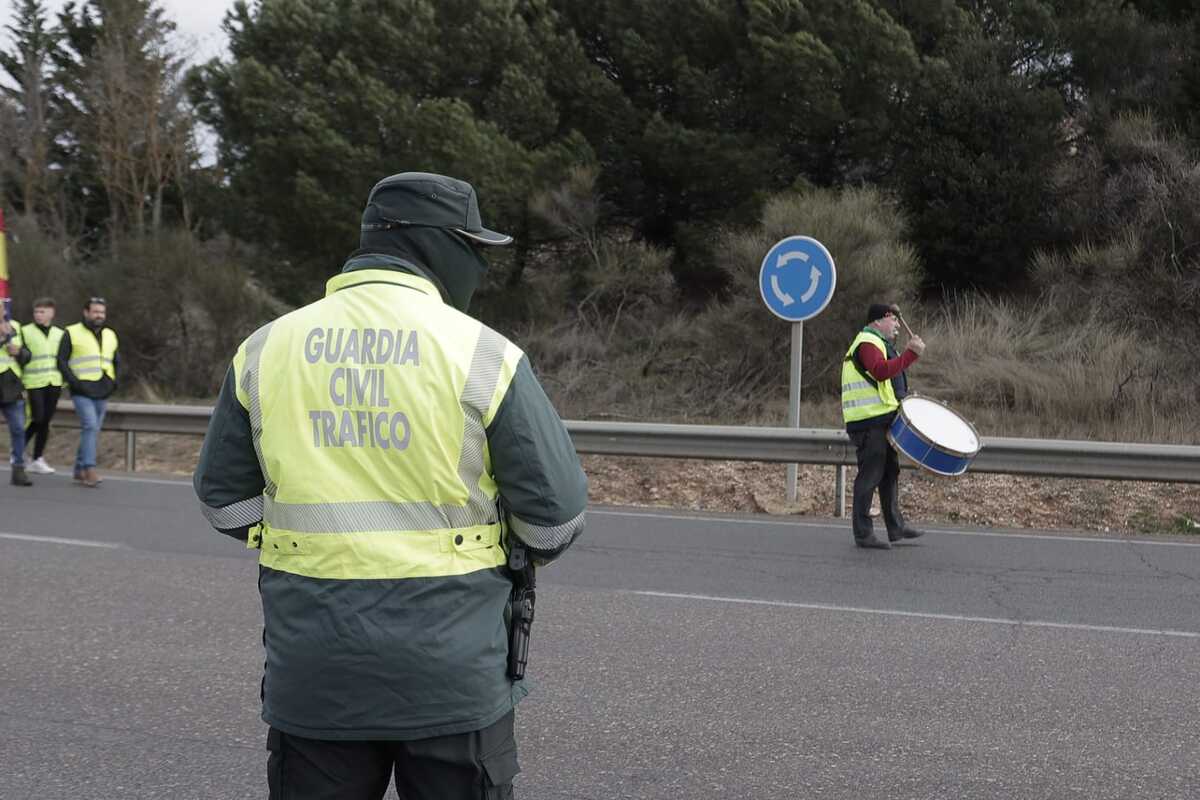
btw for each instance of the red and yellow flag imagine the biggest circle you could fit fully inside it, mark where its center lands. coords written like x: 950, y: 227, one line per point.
x: 3, y: 261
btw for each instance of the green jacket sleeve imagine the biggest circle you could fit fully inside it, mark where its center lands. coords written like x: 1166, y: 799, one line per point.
x: 228, y: 479
x: 541, y: 482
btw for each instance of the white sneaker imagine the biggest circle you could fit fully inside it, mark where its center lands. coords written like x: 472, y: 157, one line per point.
x: 40, y: 467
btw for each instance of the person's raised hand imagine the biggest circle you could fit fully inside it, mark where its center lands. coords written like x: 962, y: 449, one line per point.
x: 917, y: 345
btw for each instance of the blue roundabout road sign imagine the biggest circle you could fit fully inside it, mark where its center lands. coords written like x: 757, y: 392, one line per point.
x: 797, y: 278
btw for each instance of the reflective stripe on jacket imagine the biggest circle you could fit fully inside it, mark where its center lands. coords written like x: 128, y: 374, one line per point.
x: 7, y: 362
x: 42, y: 369
x: 92, y: 359
x: 381, y: 566
x: 862, y: 396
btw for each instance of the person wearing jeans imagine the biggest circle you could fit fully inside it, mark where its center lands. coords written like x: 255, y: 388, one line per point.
x: 91, y: 417
x: 87, y: 359
x: 13, y: 356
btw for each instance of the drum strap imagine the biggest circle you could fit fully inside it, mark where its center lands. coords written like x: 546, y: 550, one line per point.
x: 900, y: 382
x: 866, y: 376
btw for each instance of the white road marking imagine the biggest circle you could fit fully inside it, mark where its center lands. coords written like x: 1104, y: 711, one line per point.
x: 24, y: 537
x: 923, y: 615
x: 1099, y: 538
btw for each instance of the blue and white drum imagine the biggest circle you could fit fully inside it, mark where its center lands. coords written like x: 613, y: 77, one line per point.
x: 933, y: 437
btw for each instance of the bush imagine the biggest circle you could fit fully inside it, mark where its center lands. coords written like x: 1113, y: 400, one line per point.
x: 1132, y: 204
x: 179, y: 306
x: 40, y: 266
x: 1021, y: 371
x: 748, y: 348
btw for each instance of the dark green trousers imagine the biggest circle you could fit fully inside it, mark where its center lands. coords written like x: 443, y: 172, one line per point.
x: 479, y: 765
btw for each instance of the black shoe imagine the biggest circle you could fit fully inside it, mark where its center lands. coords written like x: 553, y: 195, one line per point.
x: 909, y: 533
x: 873, y: 543
x: 19, y: 478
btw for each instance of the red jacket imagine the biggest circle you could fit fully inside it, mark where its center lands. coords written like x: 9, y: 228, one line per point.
x: 880, y: 368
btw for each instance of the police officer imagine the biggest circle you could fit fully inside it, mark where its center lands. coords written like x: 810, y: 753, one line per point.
x: 381, y: 448
x: 873, y: 384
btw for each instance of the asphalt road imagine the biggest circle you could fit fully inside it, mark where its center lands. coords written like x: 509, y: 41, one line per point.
x: 677, y: 656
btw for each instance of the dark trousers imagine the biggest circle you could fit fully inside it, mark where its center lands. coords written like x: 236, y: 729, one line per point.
x: 878, y: 468
x: 42, y: 404
x: 479, y: 765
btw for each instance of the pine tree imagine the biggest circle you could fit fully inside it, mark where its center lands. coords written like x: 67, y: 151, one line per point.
x: 127, y: 128
x: 27, y: 139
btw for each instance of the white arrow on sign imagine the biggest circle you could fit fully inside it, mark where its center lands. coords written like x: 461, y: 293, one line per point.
x: 814, y: 279
x: 783, y: 296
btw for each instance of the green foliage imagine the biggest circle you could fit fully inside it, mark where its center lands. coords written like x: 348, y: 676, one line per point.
x: 980, y: 146
x: 721, y: 103
x: 1131, y: 205
x: 624, y: 348
x: 25, y: 139
x: 179, y: 306
x: 599, y: 277
x: 746, y: 347
x: 1123, y: 59
x: 637, y: 150
x: 39, y: 268
x: 325, y: 97
x: 121, y: 131
x: 598, y: 359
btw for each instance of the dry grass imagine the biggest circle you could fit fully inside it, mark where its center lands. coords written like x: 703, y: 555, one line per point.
x: 1030, y: 372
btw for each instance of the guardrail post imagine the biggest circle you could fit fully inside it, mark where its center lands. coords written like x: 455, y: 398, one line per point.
x: 131, y: 450
x: 839, y: 492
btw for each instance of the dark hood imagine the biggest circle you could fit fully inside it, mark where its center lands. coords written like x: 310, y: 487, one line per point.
x: 442, y: 256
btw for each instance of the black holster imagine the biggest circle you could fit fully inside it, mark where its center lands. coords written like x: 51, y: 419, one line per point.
x: 521, y: 604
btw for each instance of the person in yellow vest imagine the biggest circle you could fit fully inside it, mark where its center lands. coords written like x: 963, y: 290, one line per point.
x: 43, y: 382
x: 873, y: 384
x: 14, y: 355
x: 87, y: 359
x: 396, y: 462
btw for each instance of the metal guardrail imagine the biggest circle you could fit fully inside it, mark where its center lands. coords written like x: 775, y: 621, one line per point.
x: 135, y: 418
x: 1059, y: 458
x: 1056, y: 458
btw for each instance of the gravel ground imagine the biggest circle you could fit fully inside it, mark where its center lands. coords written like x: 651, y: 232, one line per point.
x: 1003, y: 501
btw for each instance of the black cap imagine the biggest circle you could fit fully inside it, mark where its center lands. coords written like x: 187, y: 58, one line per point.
x: 881, y: 310
x: 430, y: 201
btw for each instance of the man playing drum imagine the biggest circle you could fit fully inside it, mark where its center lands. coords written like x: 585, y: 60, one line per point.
x: 873, y: 384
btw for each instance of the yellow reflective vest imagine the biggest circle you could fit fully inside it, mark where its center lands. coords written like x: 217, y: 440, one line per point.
x: 862, y: 396
x: 382, y: 557
x: 92, y: 359
x: 368, y: 433
x: 42, y: 369
x: 351, y: 443
x: 7, y: 362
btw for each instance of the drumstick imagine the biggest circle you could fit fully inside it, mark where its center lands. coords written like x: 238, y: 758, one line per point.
x: 905, y: 324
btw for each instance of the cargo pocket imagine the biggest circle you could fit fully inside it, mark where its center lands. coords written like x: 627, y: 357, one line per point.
x: 275, y: 760
x: 499, y: 769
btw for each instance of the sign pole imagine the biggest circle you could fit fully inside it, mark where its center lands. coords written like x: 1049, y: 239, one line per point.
x: 796, y: 280
x: 794, y: 400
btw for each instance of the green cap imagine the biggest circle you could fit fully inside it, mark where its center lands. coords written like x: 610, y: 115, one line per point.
x: 430, y: 201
